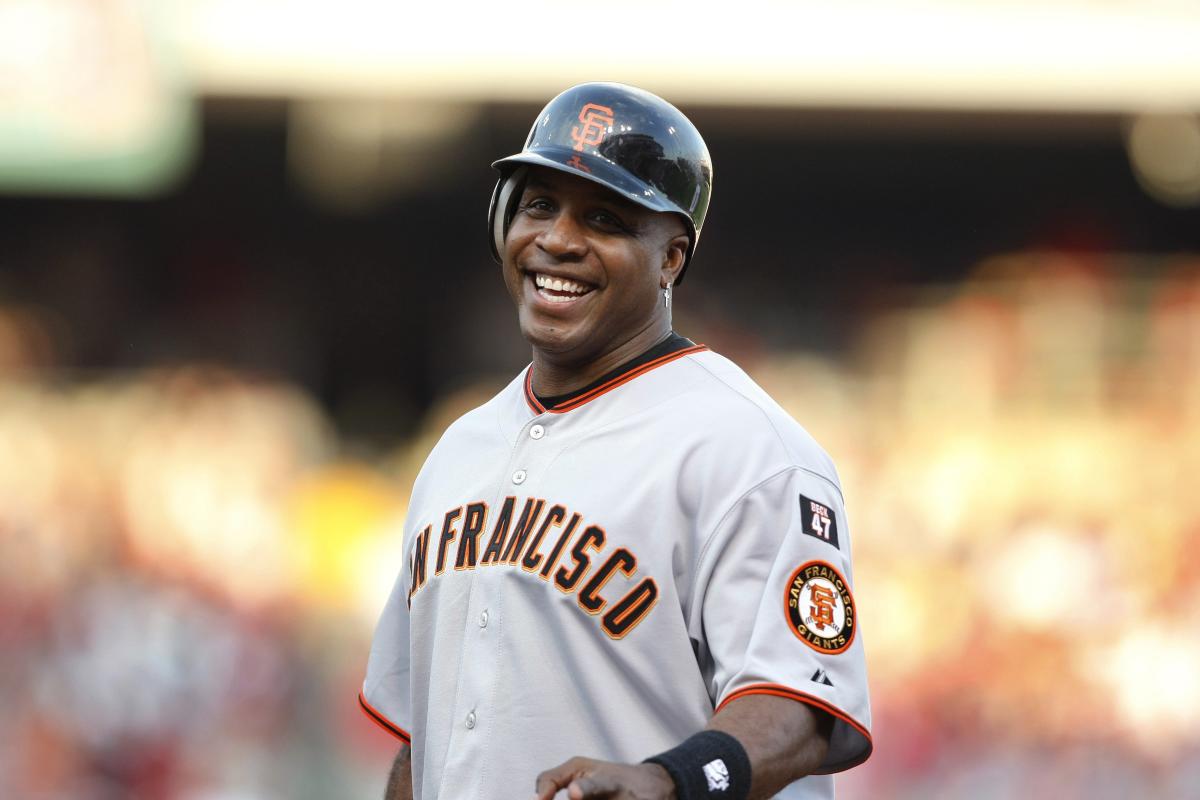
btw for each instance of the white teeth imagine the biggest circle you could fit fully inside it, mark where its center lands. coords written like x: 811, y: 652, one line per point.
x: 559, y: 285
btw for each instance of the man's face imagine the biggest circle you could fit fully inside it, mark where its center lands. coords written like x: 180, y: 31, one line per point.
x: 585, y: 267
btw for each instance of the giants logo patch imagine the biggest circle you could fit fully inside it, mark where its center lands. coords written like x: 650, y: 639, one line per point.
x: 596, y: 119
x: 820, y: 608
x: 818, y: 521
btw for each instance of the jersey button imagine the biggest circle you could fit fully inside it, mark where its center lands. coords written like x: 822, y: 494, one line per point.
x: 537, y: 432
x: 483, y: 617
x: 470, y: 720
x: 519, y: 476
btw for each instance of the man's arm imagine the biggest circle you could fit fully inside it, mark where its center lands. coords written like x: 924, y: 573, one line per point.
x: 784, y: 740
x: 399, y: 785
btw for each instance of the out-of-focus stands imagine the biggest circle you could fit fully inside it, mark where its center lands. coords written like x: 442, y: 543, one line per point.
x: 192, y: 559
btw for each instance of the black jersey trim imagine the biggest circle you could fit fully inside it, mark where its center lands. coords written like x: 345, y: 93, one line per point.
x: 382, y: 721
x: 669, y: 349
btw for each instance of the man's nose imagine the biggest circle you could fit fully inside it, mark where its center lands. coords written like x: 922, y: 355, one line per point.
x: 563, y: 237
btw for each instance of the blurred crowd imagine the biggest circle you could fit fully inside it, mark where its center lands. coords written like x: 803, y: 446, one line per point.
x: 192, y: 558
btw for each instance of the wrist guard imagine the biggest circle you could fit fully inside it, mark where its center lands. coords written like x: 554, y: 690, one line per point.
x: 707, y: 766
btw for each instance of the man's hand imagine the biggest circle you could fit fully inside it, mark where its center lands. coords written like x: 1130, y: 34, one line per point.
x: 784, y: 741
x: 588, y: 779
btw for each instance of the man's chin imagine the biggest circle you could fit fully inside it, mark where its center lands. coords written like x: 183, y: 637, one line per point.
x: 554, y: 339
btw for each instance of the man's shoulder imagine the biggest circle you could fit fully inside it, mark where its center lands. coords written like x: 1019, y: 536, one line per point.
x: 482, y: 421
x: 734, y: 413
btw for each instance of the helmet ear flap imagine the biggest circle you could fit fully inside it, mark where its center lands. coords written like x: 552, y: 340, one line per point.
x: 504, y: 208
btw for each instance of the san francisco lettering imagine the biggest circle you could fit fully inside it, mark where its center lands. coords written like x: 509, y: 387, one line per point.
x: 545, y: 540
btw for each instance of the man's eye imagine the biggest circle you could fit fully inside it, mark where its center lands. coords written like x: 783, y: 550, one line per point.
x: 609, y: 220
x: 537, y: 204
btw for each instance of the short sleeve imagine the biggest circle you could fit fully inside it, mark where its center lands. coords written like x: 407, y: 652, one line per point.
x: 774, y: 608
x: 385, y: 695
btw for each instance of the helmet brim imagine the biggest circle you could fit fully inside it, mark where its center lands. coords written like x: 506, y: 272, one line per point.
x: 605, y: 174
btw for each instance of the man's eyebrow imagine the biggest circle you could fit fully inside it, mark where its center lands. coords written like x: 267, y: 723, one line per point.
x: 610, y: 198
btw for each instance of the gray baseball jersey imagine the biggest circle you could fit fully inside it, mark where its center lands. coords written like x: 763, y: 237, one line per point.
x: 599, y: 578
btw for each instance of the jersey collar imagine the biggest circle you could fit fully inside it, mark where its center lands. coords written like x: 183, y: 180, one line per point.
x: 666, y: 351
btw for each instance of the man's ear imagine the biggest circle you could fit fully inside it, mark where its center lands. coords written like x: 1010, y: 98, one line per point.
x: 674, y: 258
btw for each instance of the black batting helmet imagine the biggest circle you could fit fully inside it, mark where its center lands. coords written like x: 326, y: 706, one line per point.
x: 624, y: 138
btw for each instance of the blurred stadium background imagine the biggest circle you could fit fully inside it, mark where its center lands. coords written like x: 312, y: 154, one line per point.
x: 244, y: 285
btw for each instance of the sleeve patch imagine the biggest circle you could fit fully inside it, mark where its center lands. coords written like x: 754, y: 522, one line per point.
x: 819, y: 607
x: 818, y: 521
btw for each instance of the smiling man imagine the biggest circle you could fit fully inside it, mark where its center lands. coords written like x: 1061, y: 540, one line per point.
x: 628, y: 574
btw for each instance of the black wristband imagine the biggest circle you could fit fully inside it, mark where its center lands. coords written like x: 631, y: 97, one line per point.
x: 711, y: 764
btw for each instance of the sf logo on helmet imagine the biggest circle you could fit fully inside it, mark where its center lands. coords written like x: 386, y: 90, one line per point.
x: 596, y: 119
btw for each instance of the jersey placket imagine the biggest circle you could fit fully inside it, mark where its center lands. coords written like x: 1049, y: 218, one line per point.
x: 475, y: 734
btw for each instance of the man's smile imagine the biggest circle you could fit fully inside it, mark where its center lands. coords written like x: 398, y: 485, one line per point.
x: 558, y: 290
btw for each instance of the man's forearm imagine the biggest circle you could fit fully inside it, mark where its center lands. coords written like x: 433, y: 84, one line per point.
x: 399, y: 785
x: 784, y: 740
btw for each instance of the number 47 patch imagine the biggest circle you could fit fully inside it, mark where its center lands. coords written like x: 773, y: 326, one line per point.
x: 818, y: 520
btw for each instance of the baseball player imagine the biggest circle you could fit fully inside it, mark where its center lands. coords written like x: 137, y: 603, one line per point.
x: 627, y: 574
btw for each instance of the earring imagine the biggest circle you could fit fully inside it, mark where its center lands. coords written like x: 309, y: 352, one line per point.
x: 667, y: 296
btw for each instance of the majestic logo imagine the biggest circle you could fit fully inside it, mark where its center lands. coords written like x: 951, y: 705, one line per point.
x: 717, y: 775
x: 596, y: 119
x: 820, y: 608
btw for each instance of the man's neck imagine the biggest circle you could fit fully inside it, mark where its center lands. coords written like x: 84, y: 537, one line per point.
x: 554, y: 375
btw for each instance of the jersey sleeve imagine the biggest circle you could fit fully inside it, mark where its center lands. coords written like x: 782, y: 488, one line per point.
x: 774, y: 608
x: 385, y: 695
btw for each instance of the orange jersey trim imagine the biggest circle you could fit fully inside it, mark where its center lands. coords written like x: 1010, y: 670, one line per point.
x: 382, y: 721
x: 802, y: 697
x: 605, y: 387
